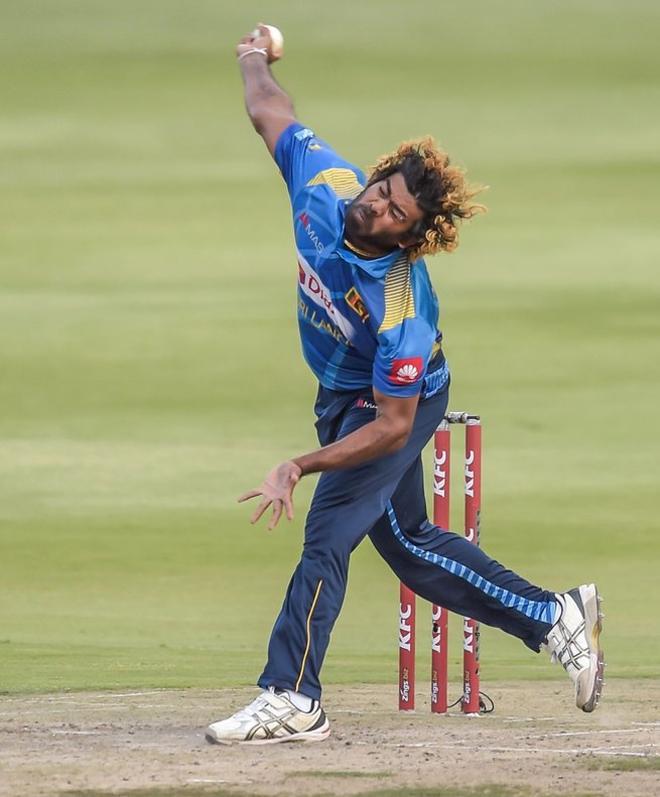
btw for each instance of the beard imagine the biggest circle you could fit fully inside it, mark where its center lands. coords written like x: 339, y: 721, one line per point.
x: 359, y: 222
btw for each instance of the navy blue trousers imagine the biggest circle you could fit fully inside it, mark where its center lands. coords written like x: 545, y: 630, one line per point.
x: 384, y: 498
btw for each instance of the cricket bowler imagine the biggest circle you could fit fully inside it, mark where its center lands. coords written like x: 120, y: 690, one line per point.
x: 368, y: 319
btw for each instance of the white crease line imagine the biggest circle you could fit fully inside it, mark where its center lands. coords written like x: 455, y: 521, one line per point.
x: 135, y: 694
x: 607, y: 751
x: 94, y: 707
x: 75, y: 699
x: 205, y: 780
x: 54, y: 710
x: 111, y: 695
x: 74, y: 733
x: 637, y: 755
x: 216, y: 782
x: 569, y: 751
x: 589, y: 733
x: 79, y: 707
x: 529, y: 750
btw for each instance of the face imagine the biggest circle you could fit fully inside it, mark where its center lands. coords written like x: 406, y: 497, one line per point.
x: 382, y: 216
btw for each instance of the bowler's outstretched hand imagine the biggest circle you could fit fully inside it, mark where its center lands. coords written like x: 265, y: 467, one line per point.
x: 277, y: 489
x: 260, y: 38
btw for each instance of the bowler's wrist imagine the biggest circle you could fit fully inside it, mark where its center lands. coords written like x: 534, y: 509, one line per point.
x: 253, y: 51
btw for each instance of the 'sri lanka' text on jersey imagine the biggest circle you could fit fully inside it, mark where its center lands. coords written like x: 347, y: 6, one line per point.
x: 363, y: 322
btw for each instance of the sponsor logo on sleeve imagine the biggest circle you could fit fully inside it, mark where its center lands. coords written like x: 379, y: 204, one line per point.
x: 406, y: 371
x: 355, y: 301
x: 311, y: 232
x: 301, y: 135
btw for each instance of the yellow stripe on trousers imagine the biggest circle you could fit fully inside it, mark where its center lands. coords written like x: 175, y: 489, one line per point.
x: 309, y: 636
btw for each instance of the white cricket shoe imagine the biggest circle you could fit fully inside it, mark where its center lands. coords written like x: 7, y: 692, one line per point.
x: 574, y: 641
x: 270, y: 719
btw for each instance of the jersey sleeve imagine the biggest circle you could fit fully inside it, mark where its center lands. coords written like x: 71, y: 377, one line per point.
x: 305, y: 160
x: 402, y: 357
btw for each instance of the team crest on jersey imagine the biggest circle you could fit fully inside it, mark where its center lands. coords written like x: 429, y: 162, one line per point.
x: 407, y: 371
x: 355, y: 301
x: 301, y: 135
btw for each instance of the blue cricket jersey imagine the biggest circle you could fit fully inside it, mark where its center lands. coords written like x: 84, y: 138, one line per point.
x: 364, y: 322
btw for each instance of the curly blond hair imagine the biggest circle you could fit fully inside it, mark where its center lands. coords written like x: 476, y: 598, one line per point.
x: 440, y: 189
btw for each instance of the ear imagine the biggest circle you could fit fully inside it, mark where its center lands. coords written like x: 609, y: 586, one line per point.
x: 411, y: 237
x: 407, y: 241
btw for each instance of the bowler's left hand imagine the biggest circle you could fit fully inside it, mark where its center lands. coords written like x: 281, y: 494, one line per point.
x: 277, y: 489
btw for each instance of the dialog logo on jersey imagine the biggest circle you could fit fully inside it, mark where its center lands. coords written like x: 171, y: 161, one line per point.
x: 406, y: 371
x: 312, y: 286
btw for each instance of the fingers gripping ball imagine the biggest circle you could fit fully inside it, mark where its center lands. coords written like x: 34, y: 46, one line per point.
x: 275, y: 41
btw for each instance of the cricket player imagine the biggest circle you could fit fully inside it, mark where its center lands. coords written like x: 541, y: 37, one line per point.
x: 368, y: 319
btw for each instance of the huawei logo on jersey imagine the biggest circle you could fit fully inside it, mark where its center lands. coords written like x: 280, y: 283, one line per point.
x: 405, y: 372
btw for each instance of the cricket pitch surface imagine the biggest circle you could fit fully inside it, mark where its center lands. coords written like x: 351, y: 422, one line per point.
x: 152, y: 743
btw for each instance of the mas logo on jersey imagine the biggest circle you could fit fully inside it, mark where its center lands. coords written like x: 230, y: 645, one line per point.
x: 406, y: 371
x: 311, y: 232
x: 355, y: 301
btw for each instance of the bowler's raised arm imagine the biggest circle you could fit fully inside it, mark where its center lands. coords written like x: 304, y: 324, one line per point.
x: 269, y: 107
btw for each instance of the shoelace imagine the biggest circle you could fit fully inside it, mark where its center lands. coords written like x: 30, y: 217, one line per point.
x: 567, y: 640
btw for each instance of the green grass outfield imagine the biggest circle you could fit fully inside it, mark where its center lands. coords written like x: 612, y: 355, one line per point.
x: 149, y: 363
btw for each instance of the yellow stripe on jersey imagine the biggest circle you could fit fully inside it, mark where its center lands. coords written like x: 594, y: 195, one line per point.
x: 342, y: 181
x: 399, y: 300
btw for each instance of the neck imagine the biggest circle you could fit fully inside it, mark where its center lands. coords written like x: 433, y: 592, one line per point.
x: 365, y: 249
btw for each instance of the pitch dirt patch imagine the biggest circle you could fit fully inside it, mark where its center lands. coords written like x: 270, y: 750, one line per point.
x: 151, y: 744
